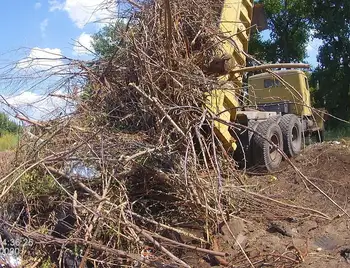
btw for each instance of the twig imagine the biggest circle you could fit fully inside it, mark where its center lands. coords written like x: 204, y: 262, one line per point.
x: 285, y: 204
x: 165, y: 226
x: 156, y: 102
x: 156, y: 243
x: 41, y: 238
x: 33, y: 122
x: 211, y: 252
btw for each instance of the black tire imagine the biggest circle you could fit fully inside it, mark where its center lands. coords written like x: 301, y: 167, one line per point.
x: 252, y: 124
x: 292, y: 134
x: 243, y: 155
x: 250, y: 147
x: 266, y: 155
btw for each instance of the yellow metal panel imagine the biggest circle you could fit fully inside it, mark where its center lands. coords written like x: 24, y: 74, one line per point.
x: 223, y: 104
x: 319, y: 117
x: 235, y: 22
x: 236, y: 16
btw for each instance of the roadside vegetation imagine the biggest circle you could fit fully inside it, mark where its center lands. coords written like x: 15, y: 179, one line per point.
x: 342, y: 132
x: 8, y: 141
x: 9, y: 133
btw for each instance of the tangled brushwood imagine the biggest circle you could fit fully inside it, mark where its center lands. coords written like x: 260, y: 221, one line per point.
x: 136, y: 175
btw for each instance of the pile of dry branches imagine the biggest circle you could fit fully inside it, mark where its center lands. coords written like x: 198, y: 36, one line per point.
x: 138, y: 164
x: 132, y: 167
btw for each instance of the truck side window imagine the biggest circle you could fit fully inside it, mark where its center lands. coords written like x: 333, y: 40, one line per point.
x: 271, y: 83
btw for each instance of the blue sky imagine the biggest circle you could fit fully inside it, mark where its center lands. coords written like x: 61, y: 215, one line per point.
x: 45, y: 29
x: 50, y: 29
x: 43, y: 24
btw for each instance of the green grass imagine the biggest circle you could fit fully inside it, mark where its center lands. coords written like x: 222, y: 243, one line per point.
x: 338, y: 133
x: 8, y: 142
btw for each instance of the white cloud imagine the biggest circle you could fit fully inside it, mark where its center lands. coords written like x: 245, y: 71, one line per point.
x: 37, y: 5
x: 82, y: 12
x: 55, y: 5
x: 43, y: 26
x: 24, y: 98
x: 42, y: 59
x: 83, y: 45
x: 314, y: 44
x: 39, y: 107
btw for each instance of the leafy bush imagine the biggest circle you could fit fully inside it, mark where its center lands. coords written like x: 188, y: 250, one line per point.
x: 8, y: 141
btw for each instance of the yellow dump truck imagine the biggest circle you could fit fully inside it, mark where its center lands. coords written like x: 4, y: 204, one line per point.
x: 278, y: 112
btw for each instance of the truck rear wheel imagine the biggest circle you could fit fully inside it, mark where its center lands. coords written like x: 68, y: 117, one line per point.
x: 266, y: 154
x: 292, y: 136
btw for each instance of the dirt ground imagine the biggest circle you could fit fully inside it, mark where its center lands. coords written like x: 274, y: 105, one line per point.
x: 290, y: 223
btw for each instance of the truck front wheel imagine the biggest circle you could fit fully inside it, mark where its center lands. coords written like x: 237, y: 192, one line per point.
x: 266, y: 146
x: 292, y: 136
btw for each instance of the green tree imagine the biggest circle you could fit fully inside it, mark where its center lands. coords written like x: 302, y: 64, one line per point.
x: 6, y: 125
x: 108, y: 39
x: 290, y: 28
x: 331, y: 20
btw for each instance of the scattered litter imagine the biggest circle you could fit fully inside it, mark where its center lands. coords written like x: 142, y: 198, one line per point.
x: 81, y: 170
x: 326, y: 242
x: 148, y: 253
x: 10, y: 260
x: 272, y: 178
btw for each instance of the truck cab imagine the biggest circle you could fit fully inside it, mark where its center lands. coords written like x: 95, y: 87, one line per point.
x: 268, y: 93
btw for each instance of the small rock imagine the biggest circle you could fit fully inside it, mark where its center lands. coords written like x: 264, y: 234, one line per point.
x: 345, y: 253
x: 236, y: 226
x: 291, y: 219
x: 281, y: 228
x: 318, y: 249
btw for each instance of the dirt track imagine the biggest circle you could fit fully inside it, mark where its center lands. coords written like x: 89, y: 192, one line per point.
x: 295, y: 236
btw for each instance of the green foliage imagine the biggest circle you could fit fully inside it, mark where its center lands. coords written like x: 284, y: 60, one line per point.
x: 331, y: 21
x: 106, y: 41
x: 47, y: 263
x: 6, y: 125
x: 35, y: 184
x: 8, y: 141
x: 290, y: 29
x: 338, y: 133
